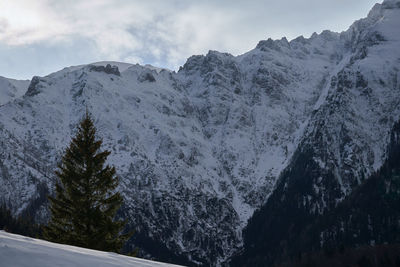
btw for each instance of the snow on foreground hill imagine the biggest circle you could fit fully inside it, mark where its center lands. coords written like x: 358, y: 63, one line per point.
x: 18, y: 251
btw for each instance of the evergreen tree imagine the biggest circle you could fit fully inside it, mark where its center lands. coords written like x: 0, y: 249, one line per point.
x: 85, y: 202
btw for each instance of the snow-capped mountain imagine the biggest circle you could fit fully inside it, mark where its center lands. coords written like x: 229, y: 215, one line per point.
x: 199, y: 150
x: 344, y: 142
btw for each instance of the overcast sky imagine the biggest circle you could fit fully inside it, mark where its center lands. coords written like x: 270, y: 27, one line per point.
x: 42, y: 36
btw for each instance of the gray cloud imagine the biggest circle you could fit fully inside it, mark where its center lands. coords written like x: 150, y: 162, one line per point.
x: 37, y: 37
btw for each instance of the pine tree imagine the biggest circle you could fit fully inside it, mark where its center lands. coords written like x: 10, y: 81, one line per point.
x: 85, y: 201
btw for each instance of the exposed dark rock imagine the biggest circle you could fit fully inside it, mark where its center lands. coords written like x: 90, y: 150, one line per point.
x: 107, y: 69
x: 264, y: 45
x: 34, y: 87
x: 146, y: 76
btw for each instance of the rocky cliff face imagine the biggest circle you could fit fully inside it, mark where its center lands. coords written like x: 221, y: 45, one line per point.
x: 199, y: 150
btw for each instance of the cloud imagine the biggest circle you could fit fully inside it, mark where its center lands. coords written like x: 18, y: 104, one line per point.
x: 28, y: 22
x: 158, y: 31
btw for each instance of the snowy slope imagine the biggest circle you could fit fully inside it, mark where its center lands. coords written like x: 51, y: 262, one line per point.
x: 19, y: 251
x: 11, y: 89
x: 199, y: 150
